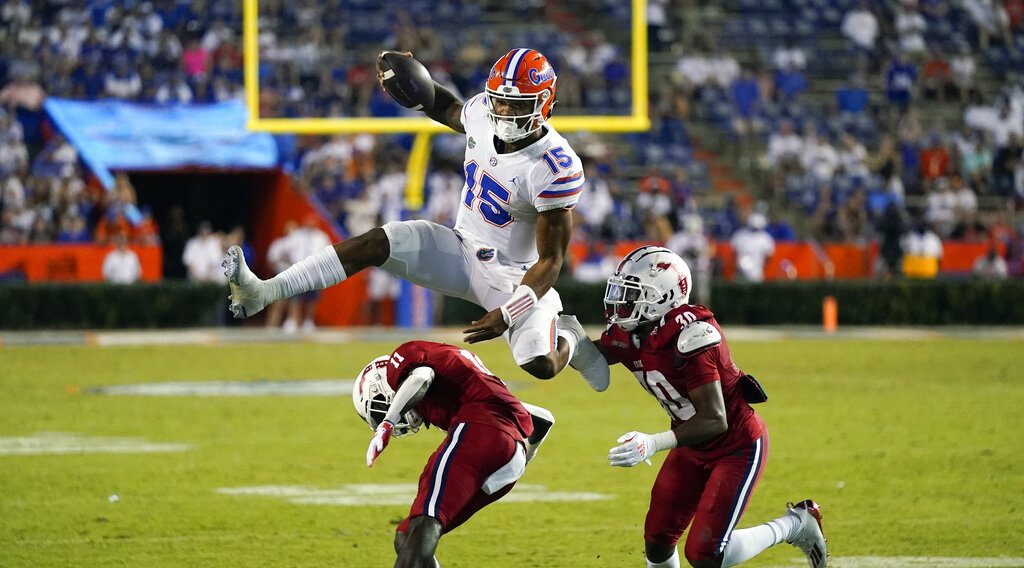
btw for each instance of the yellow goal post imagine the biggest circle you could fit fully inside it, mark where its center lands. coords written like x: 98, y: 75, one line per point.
x: 424, y: 128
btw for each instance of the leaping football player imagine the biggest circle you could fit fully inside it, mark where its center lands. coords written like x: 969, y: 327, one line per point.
x: 491, y: 436
x: 717, y: 444
x: 510, y: 236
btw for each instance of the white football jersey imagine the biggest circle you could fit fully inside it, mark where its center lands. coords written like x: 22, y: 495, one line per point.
x: 504, y: 193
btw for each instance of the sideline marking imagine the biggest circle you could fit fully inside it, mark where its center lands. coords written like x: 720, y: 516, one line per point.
x: 380, y: 494
x: 915, y: 561
x: 318, y: 387
x: 42, y: 443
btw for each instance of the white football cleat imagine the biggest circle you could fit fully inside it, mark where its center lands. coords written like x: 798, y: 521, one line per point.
x: 587, y: 360
x: 247, y: 290
x: 809, y: 537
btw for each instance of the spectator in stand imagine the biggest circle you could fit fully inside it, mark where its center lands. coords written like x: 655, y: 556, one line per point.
x: 934, y: 159
x: 194, y: 59
x: 146, y: 233
x: 911, y: 26
x: 852, y: 98
x: 203, y: 254
x: 922, y: 252
x: 938, y: 78
x: 861, y: 27
x: 779, y: 229
x: 890, y: 251
x: 784, y: 148
x: 941, y: 210
x: 73, y: 230
x: 853, y: 157
x: 307, y: 239
x: 963, y: 71
x: 901, y: 80
x: 852, y: 218
x: 175, y: 91
x: 593, y: 213
x: 990, y: 19
x: 990, y: 266
x: 818, y: 157
x: 112, y: 225
x: 123, y: 82
x: 753, y: 246
x: 654, y: 203
x: 693, y: 246
x: 596, y: 265
x: 279, y: 259
x: 121, y: 265
x: 746, y: 98
x: 789, y: 56
x: 790, y: 82
x: 977, y: 162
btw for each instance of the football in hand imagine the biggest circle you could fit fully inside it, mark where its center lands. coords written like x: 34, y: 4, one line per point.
x: 407, y: 81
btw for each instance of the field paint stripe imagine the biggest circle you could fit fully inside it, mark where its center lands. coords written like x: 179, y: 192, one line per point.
x: 312, y: 387
x: 61, y: 443
x: 370, y: 494
x: 914, y: 562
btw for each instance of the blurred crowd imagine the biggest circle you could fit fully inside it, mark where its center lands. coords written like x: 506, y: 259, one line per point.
x: 907, y: 141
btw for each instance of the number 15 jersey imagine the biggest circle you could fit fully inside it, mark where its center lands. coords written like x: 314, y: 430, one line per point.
x: 504, y: 193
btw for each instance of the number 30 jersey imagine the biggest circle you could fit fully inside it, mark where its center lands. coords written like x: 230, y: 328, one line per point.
x: 504, y: 193
x: 669, y: 376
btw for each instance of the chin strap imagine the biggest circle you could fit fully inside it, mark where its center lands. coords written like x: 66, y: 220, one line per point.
x: 521, y: 302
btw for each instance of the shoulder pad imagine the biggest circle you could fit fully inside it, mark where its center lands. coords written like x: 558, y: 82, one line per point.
x: 697, y: 336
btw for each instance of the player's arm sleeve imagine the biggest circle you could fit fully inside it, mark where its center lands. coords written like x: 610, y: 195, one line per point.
x: 447, y: 109
x: 412, y: 390
x: 558, y: 180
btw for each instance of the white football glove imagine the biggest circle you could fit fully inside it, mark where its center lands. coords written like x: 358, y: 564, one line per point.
x: 636, y: 447
x: 381, y: 437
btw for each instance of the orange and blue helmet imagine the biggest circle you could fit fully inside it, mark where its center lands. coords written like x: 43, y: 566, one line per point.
x: 520, y: 93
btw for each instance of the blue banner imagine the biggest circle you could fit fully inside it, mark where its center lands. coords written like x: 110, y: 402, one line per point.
x: 115, y: 135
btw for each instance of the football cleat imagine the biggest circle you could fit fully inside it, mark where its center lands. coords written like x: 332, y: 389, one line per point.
x: 809, y: 537
x: 247, y: 290
x: 587, y: 360
x: 543, y: 420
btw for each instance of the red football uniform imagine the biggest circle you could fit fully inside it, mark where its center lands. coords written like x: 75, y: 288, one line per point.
x: 486, y: 427
x: 708, y: 484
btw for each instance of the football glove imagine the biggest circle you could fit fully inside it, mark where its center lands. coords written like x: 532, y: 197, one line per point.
x: 636, y: 447
x: 381, y: 437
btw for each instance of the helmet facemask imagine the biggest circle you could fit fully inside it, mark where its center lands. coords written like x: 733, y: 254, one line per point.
x: 624, y: 300
x: 525, y: 114
x: 372, y: 399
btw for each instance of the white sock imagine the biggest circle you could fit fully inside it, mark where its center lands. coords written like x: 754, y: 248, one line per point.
x: 317, y: 271
x: 570, y: 341
x: 745, y: 544
x: 672, y: 562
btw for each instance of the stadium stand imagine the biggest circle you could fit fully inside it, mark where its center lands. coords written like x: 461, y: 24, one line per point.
x: 843, y: 121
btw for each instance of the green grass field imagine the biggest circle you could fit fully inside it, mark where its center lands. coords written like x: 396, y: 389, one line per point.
x: 912, y: 449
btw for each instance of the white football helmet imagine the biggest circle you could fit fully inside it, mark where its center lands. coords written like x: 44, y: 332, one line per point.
x: 372, y: 396
x: 647, y: 284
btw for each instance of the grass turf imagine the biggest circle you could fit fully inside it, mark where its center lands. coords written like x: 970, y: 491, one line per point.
x: 912, y: 448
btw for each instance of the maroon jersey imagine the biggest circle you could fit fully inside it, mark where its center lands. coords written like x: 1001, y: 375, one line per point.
x: 670, y: 375
x: 463, y: 389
